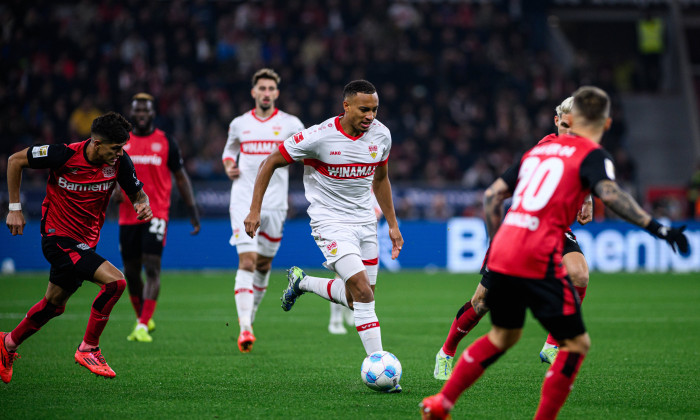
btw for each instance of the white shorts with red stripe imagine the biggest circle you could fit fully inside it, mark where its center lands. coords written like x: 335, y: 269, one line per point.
x: 267, y: 241
x: 338, y: 240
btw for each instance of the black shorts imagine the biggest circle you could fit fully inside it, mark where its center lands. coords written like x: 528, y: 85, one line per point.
x: 553, y: 301
x: 570, y: 243
x: 71, y: 262
x: 144, y: 238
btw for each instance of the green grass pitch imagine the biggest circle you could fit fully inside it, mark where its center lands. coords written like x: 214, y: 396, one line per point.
x: 644, y: 361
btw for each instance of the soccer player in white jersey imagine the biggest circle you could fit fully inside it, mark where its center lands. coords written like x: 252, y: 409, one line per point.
x: 251, y: 138
x: 340, y: 314
x: 345, y: 157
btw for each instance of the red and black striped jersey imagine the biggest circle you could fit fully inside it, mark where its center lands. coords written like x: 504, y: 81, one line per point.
x: 78, y: 191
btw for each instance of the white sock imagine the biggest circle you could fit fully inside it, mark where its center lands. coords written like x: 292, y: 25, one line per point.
x: 443, y: 354
x: 336, y: 313
x: 322, y: 286
x: 548, y: 346
x: 244, y: 299
x: 260, y: 282
x: 367, y: 326
x: 349, y: 316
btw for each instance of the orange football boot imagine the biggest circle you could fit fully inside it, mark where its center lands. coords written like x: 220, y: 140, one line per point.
x: 94, y: 362
x: 245, y: 341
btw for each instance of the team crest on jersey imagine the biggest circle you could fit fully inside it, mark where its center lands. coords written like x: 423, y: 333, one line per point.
x: 235, y: 233
x: 332, y: 248
x: 276, y: 130
x: 108, y: 171
x: 156, y: 147
x: 373, y: 149
x: 298, y: 137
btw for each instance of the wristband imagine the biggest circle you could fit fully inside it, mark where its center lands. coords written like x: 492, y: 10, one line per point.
x: 654, y: 228
x: 15, y: 206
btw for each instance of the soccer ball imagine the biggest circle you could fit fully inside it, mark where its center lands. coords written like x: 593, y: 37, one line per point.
x: 381, y: 371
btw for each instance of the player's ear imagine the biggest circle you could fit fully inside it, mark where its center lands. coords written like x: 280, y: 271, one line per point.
x: 556, y: 120
x: 346, y: 106
x: 608, y: 122
x: 252, y: 93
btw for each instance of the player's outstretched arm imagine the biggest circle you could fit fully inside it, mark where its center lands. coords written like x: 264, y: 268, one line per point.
x: 273, y: 161
x: 185, y: 187
x: 15, y: 164
x: 382, y: 190
x: 494, y: 196
x: 141, y: 205
x: 624, y: 205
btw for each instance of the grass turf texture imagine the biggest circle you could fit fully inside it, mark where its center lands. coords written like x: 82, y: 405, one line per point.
x: 643, y: 362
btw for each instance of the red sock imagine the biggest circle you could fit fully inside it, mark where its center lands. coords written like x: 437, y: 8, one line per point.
x: 581, y: 294
x: 474, y: 361
x: 465, y: 320
x: 558, y: 383
x: 137, y: 303
x: 36, y: 318
x: 101, y: 308
x: 149, y: 306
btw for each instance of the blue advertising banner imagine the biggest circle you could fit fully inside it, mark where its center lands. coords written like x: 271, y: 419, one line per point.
x: 457, y: 245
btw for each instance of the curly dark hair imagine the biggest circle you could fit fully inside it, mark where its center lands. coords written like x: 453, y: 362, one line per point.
x: 112, y: 127
x: 358, y: 86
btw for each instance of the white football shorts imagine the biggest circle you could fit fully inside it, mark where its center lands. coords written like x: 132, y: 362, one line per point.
x: 336, y: 241
x: 267, y: 241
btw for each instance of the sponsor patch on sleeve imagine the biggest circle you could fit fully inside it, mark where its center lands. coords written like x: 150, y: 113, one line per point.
x: 40, y: 151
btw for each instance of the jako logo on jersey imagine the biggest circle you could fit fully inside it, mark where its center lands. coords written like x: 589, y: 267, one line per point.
x: 373, y: 151
x: 109, y: 171
x: 74, y: 186
x: 332, y: 248
x: 147, y: 160
x: 261, y: 147
x: 298, y: 137
x: 335, y: 153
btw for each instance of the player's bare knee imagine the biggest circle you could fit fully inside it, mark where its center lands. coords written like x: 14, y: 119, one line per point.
x: 579, y: 344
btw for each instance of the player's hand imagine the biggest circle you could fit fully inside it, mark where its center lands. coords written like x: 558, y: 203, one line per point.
x: 676, y: 238
x: 16, y: 222
x: 585, y: 214
x: 195, y: 226
x: 252, y: 223
x: 143, y: 211
x: 233, y: 172
x: 396, y: 242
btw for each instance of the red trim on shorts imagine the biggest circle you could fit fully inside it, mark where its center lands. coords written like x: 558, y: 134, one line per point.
x: 268, y: 237
x: 252, y: 112
x: 229, y: 158
x: 74, y: 256
x: 285, y: 153
x: 569, y: 304
x: 259, y: 289
x: 328, y: 289
x: 373, y: 261
x: 369, y: 325
x: 237, y: 291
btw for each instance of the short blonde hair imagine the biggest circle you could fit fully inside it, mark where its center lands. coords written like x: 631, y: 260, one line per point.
x: 266, y: 73
x: 565, y: 106
x: 143, y: 96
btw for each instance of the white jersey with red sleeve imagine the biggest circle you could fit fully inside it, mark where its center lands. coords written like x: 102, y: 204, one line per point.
x: 339, y: 170
x: 250, y: 140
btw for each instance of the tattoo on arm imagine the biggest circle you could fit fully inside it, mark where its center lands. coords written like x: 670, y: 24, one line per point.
x: 493, y: 209
x: 621, y: 203
x: 138, y: 197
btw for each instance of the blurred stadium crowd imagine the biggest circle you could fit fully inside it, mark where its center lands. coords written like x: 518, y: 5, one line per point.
x: 464, y: 87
